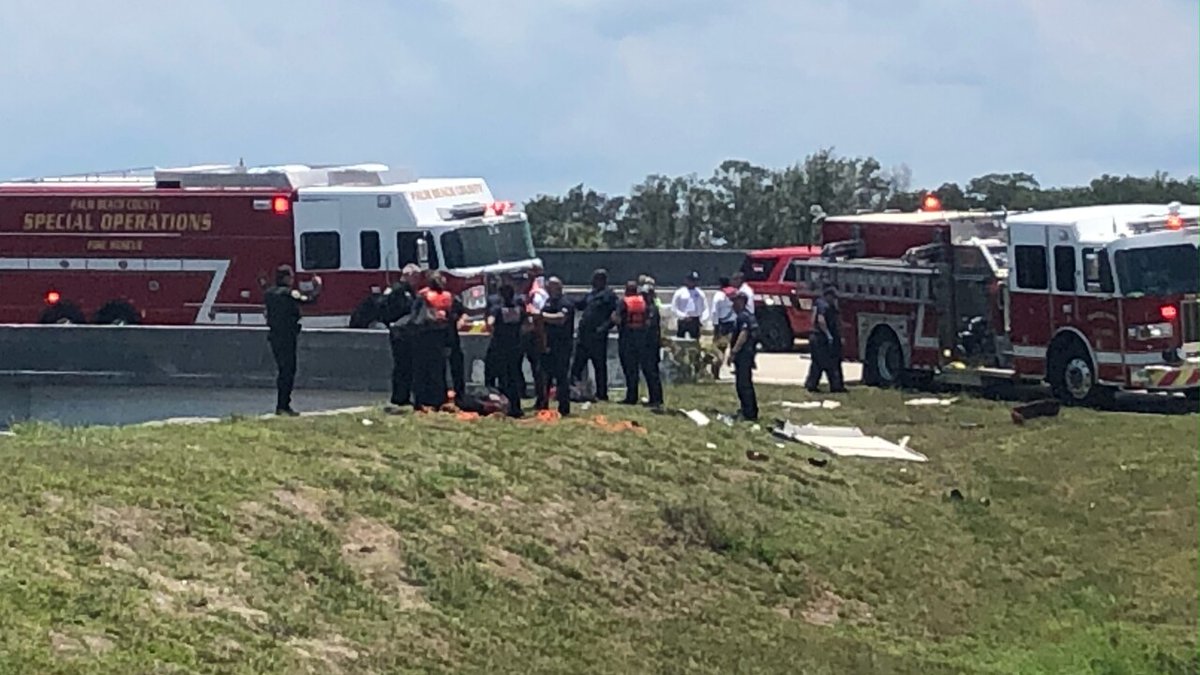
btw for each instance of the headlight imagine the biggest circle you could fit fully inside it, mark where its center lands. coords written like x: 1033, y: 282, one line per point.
x: 475, y: 298
x: 1152, y: 331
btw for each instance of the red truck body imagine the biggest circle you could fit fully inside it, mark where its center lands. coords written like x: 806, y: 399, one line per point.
x: 783, y: 314
x: 1091, y: 300
x: 190, y: 246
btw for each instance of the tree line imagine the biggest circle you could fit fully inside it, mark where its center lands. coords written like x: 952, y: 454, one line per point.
x: 745, y: 206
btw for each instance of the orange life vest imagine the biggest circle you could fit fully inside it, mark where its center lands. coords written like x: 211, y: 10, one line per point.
x: 440, y: 302
x: 635, y: 311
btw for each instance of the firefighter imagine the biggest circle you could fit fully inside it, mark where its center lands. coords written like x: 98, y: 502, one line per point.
x: 597, y: 308
x: 283, y: 322
x: 558, y: 322
x: 724, y: 320
x: 825, y: 344
x: 458, y: 321
x: 397, y: 312
x: 505, y: 321
x: 742, y: 356
x: 638, y: 342
x: 431, y: 342
x: 532, y: 338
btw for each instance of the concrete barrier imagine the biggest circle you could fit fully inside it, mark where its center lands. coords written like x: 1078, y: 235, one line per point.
x: 209, y: 357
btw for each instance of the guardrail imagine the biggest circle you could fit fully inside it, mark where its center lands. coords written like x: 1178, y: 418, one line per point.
x: 215, y: 356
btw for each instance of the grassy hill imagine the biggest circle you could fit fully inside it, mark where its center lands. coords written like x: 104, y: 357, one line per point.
x: 418, y: 543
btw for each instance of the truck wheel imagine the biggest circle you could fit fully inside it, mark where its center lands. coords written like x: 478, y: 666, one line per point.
x: 884, y: 366
x: 62, y: 312
x: 1072, y: 377
x: 117, y: 313
x: 775, y: 333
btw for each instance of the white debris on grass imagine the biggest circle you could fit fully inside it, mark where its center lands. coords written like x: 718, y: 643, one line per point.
x: 711, y: 446
x: 811, y: 405
x: 848, y: 442
x: 696, y: 416
x: 931, y: 401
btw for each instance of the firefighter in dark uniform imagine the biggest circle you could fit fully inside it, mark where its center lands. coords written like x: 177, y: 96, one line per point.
x: 397, y: 312
x: 431, y: 342
x: 283, y: 323
x: 638, y: 342
x: 825, y: 344
x: 597, y: 309
x: 455, y: 357
x: 742, y: 356
x: 505, y: 320
x: 558, y: 323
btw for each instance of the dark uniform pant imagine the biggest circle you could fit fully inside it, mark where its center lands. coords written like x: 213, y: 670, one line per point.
x: 556, y: 371
x: 402, y: 370
x: 594, y: 350
x: 283, y: 348
x: 744, y: 384
x: 826, y: 359
x: 458, y: 374
x: 429, y: 368
x: 509, y: 359
x: 639, y: 358
x: 689, y: 327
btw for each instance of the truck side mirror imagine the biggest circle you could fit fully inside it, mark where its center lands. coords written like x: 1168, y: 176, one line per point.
x: 423, y: 253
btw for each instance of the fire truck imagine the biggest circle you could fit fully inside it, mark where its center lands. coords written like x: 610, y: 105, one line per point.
x: 783, y: 313
x: 192, y: 245
x: 1090, y: 300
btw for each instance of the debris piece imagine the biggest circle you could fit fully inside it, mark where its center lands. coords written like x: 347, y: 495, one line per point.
x: 931, y: 401
x: 725, y: 419
x: 847, y: 442
x: 586, y: 405
x: 696, y: 416
x: 367, y: 422
x: 711, y: 446
x: 756, y: 428
x: 756, y: 456
x: 780, y: 446
x: 1029, y: 411
x: 818, y: 462
x: 969, y: 425
x: 811, y: 405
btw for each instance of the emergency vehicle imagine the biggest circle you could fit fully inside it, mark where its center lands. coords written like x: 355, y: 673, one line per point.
x: 191, y: 245
x: 783, y: 314
x: 1090, y: 300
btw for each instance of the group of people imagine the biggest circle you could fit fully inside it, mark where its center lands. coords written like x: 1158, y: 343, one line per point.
x: 540, y: 327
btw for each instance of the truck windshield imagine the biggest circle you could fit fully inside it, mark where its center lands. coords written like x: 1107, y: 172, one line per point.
x: 1161, y: 270
x: 481, y: 245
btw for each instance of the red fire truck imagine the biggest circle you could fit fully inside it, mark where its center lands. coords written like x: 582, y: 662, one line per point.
x: 783, y: 314
x: 1091, y: 300
x: 190, y: 245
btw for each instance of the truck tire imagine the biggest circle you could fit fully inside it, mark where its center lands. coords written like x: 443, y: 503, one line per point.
x: 884, y: 365
x: 117, y: 313
x: 62, y: 312
x: 774, y: 331
x: 1071, y: 375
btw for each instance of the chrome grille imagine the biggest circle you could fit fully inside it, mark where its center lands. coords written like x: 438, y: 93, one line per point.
x: 1189, y: 318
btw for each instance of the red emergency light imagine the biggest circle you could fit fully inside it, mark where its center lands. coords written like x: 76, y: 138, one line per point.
x: 281, y: 205
x: 931, y: 203
x: 52, y: 298
x: 499, y: 208
x: 1168, y: 312
x: 1174, y: 222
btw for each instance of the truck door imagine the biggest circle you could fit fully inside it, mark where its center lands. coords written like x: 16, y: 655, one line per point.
x: 1029, y: 297
x: 1065, y: 280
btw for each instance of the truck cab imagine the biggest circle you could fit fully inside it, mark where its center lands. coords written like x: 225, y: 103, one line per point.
x: 783, y: 314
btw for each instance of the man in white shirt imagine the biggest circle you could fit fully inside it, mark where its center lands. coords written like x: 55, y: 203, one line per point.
x: 724, y: 320
x: 739, y: 282
x: 690, y: 307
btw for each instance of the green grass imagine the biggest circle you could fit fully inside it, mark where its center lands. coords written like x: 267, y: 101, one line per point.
x: 422, y: 544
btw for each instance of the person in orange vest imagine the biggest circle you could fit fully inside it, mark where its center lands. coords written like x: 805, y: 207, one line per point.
x: 638, y: 343
x: 433, y: 321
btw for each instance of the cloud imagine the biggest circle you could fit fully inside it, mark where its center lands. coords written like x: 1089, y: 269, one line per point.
x: 538, y: 95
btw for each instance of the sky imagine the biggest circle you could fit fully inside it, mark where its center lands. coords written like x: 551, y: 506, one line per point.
x: 540, y: 95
